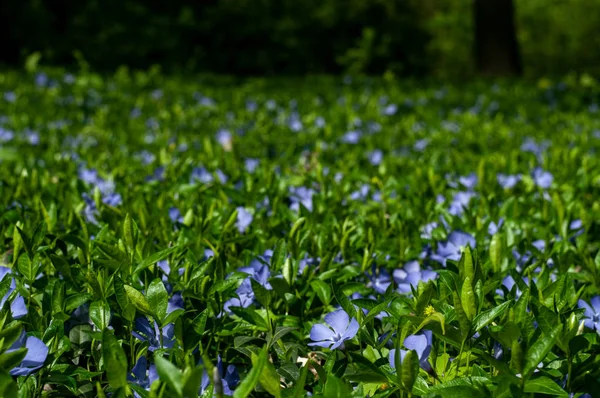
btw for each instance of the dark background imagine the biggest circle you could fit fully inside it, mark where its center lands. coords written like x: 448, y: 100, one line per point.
x: 440, y: 38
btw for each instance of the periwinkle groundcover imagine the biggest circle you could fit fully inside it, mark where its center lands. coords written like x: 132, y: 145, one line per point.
x: 177, y: 237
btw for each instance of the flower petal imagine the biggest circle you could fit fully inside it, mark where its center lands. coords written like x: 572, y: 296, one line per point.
x: 596, y: 304
x: 37, y: 352
x: 320, y: 332
x: 338, y: 320
x: 417, y: 343
x: 351, y: 330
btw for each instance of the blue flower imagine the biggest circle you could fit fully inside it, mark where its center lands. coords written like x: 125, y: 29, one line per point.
x: 361, y: 194
x: 469, y: 181
x: 421, y: 344
x: 157, y: 175
x: 142, y: 375
x: 541, y: 178
x: 375, y: 157
x: 410, y: 276
x: 6, y: 135
x: 351, y: 137
x: 202, y: 175
x: 225, y: 139
x: 508, y: 181
x: 592, y: 312
x: 380, y: 279
x: 145, y: 332
x: 460, y: 202
x: 229, y: 378
x: 244, y: 219
x: 37, y: 352
x: 493, y: 227
x: 390, y: 110
x: 427, y: 229
x: 251, y: 164
x: 10, y: 96
x: 301, y: 196
x: 175, y: 215
x: 340, y: 329
x: 509, y: 282
x: 577, y: 226
x: 452, y: 248
x: 18, y: 309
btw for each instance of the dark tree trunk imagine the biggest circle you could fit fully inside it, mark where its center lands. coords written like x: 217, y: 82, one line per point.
x: 496, y: 46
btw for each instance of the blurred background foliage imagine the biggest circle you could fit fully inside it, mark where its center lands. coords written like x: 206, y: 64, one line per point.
x: 281, y: 37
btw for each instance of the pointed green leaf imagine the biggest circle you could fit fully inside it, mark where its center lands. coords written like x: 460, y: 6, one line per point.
x: 158, y: 299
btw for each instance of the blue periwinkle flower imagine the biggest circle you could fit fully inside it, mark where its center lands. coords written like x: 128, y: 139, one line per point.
x: 592, y: 312
x: 380, y: 279
x: 390, y: 110
x: 142, y: 374
x: 494, y: 227
x: 508, y: 181
x: 202, y: 175
x: 244, y: 219
x: 175, y: 215
x: 251, y: 164
x: 375, y: 157
x: 421, y: 344
x: 340, y: 328
x: 351, y: 137
x: 460, y: 202
x: 301, y: 195
x: 410, y: 275
x: 37, y: 352
x: 10, y: 96
x: 541, y: 178
x: 452, y: 248
x: 145, y: 332
x: 228, y: 375
x: 18, y: 309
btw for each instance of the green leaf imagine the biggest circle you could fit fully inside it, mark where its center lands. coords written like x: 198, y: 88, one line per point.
x: 62, y: 266
x: 138, y: 300
x: 28, y: 268
x: 154, y: 258
x: 9, y: 360
x: 191, y: 381
x: 253, y: 377
x: 322, y: 290
x: 544, y: 385
x: 115, y: 360
x: 58, y: 297
x: 344, y: 301
x: 169, y: 373
x: 467, y: 298
x: 250, y: 316
x: 100, y: 314
x: 269, y: 379
x: 486, y: 317
x: 8, y: 335
x: 496, y: 252
x: 410, y: 369
x: 279, y: 255
x: 158, y: 299
x: 8, y: 387
x: 467, y: 263
x: 39, y: 234
x: 539, y: 349
x: 129, y: 233
x: 336, y: 388
x: 299, y: 391
x: 279, y: 333
x: 261, y: 293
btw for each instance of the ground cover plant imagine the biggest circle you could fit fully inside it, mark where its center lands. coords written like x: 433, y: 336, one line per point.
x: 178, y: 237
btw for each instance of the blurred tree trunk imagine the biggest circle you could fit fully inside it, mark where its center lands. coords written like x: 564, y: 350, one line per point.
x: 496, y: 46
